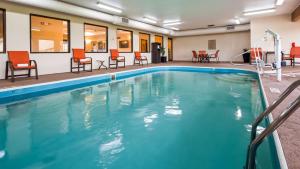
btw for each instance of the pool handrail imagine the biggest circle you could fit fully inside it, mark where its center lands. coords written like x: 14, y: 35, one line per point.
x: 257, y: 140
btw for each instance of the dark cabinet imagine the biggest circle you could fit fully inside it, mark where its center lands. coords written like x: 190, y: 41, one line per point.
x: 155, y: 52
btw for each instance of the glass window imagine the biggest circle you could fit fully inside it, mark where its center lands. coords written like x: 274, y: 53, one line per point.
x: 95, y: 38
x: 159, y: 39
x: 144, y: 42
x: 124, y: 40
x: 2, y: 30
x: 49, y: 34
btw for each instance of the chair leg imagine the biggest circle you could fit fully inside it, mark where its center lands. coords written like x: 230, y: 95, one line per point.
x: 6, y: 71
x: 78, y: 68
x: 29, y: 72
x: 71, y: 67
x: 36, y: 73
x: 12, y: 75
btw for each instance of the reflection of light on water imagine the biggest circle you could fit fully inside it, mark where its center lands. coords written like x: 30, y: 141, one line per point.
x: 234, y: 94
x: 174, y: 109
x: 125, y: 101
x: 238, y: 113
x: 259, y: 130
x: 109, y: 150
x: 89, y: 99
x: 149, y: 119
x: 87, y: 120
x: 2, y: 154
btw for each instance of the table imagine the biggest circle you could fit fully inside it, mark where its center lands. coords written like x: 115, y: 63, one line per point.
x: 101, y: 63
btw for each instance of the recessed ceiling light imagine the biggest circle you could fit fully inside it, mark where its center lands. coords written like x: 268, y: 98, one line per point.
x: 173, y: 23
x: 279, y: 2
x: 110, y: 8
x: 150, y: 20
x: 259, y: 11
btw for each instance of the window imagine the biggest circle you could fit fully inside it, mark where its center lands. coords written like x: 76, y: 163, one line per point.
x: 159, y: 39
x: 95, y: 38
x: 144, y: 42
x: 212, y: 45
x: 49, y: 35
x: 124, y: 41
x: 2, y: 30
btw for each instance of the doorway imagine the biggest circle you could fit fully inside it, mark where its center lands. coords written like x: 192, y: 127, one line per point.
x: 170, y: 49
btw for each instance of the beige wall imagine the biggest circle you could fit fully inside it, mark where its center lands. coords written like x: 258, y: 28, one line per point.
x: 289, y: 32
x: 18, y: 38
x: 230, y: 45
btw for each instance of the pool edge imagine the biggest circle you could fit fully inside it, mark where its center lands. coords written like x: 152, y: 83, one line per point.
x: 278, y: 145
x: 139, y: 71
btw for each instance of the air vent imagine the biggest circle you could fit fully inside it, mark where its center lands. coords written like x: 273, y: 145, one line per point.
x: 125, y: 20
x: 230, y: 27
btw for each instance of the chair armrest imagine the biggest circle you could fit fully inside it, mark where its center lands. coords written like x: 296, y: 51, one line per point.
x: 30, y: 61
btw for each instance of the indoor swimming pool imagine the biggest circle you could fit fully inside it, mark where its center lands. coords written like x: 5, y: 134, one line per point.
x: 176, y: 119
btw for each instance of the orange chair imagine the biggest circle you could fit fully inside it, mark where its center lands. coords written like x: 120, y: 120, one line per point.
x: 215, y: 56
x: 17, y: 61
x: 203, y: 56
x: 81, y: 60
x: 255, y: 52
x: 294, y: 53
x: 116, y: 58
x: 195, y: 57
x: 139, y: 58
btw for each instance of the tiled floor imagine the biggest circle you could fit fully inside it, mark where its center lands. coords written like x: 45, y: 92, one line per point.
x: 289, y: 132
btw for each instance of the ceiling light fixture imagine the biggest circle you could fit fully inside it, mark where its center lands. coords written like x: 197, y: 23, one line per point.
x: 35, y: 29
x: 107, y: 7
x: 259, y: 12
x: 176, y: 29
x: 173, y: 23
x: 89, y: 34
x: 279, y: 2
x: 146, y: 19
x: 237, y: 21
x: 170, y: 21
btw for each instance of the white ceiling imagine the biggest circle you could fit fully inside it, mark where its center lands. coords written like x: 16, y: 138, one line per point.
x: 194, y: 13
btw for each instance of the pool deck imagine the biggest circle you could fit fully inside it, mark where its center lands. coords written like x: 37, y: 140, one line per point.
x: 289, y: 132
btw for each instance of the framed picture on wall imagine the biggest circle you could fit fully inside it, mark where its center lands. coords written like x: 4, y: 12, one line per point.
x: 124, y: 44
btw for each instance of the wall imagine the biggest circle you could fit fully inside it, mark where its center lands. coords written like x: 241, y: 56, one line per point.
x: 289, y: 32
x: 18, y: 38
x: 229, y: 44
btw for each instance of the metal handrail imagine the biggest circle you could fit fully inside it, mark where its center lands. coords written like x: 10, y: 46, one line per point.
x: 256, y: 141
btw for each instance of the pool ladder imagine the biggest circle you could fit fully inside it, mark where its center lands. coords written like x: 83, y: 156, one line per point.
x: 257, y: 140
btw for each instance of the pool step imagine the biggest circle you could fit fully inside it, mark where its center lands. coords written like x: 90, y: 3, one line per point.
x: 236, y: 78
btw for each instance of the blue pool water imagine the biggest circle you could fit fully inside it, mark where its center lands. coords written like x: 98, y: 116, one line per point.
x: 162, y: 120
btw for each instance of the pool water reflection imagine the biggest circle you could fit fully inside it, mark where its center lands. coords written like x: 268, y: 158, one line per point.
x: 164, y: 120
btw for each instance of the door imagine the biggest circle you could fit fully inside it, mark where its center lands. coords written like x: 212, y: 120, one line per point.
x: 170, y: 49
